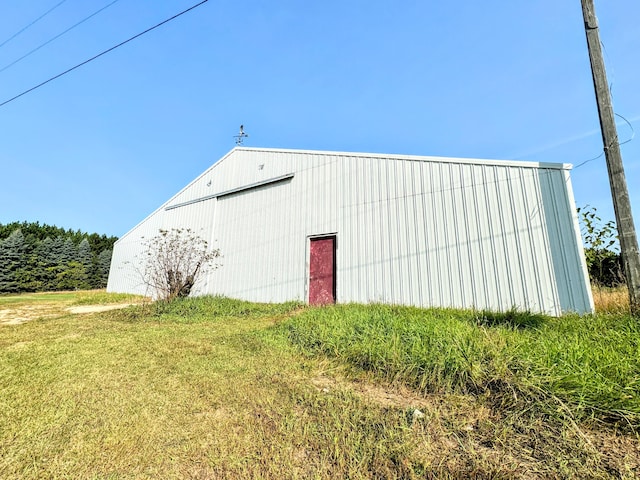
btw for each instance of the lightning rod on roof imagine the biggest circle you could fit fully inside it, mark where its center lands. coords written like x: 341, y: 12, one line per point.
x: 241, y: 136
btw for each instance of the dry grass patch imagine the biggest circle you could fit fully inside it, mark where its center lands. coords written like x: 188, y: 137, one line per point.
x: 20, y: 314
x: 17, y: 309
x: 611, y: 300
x: 460, y: 436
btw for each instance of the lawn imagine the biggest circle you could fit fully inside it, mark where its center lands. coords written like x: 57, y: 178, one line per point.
x: 217, y: 388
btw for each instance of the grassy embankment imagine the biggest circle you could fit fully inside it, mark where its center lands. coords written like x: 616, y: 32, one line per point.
x: 587, y: 367
x: 215, y: 388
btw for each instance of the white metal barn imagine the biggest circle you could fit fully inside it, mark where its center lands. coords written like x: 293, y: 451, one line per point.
x: 321, y: 227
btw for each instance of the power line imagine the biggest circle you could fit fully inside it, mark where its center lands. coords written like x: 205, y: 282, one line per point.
x: 32, y: 23
x: 57, y: 36
x: 102, y: 53
x: 633, y: 134
x: 587, y: 161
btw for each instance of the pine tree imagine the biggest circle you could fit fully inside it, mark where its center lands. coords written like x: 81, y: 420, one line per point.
x: 52, y: 258
x: 104, y: 264
x: 49, y: 252
x: 44, y: 250
x: 56, y: 255
x: 28, y: 275
x: 69, y: 252
x: 85, y: 255
x: 72, y: 277
x: 12, y: 259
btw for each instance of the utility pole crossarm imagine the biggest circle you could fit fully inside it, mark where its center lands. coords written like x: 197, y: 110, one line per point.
x: 617, y: 180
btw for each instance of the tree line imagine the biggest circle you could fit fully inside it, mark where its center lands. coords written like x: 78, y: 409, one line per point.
x: 35, y: 257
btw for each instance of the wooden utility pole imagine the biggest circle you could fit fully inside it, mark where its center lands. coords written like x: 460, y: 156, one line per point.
x: 617, y: 181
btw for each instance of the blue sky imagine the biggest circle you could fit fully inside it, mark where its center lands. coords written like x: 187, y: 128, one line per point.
x: 102, y: 147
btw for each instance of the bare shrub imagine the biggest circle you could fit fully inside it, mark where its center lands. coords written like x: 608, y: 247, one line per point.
x: 173, y: 262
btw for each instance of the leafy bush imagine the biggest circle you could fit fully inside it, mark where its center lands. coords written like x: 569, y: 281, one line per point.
x: 601, y: 249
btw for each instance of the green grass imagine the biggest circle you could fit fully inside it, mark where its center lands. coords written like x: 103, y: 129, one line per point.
x: 160, y: 395
x: 590, y: 363
x: 86, y: 297
x: 100, y: 297
x: 218, y: 388
x: 189, y: 310
x: 37, y: 297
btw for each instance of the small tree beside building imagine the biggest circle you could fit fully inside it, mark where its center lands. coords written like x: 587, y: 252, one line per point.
x: 601, y: 249
x: 174, y: 261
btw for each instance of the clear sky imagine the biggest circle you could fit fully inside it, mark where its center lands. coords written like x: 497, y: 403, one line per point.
x: 102, y: 147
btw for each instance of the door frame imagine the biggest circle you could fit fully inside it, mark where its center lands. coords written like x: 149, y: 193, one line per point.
x: 307, y: 278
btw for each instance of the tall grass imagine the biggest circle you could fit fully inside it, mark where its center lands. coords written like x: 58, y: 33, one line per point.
x: 587, y: 365
x: 611, y: 300
x: 101, y: 297
x: 202, y: 309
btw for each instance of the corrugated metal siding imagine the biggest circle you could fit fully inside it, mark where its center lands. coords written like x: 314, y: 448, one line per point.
x: 125, y: 274
x: 416, y: 231
x: 569, y: 266
x: 254, y: 234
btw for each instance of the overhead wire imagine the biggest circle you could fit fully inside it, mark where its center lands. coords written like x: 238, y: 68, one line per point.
x: 102, y: 53
x: 32, y: 23
x: 633, y: 134
x: 56, y: 37
x: 587, y: 161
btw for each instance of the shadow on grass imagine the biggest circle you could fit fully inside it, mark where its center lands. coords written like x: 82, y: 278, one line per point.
x: 511, y: 319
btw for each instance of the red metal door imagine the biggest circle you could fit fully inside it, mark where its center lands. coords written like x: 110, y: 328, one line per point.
x: 322, y: 275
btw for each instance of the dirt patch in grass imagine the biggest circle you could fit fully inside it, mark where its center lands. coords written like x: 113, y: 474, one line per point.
x: 460, y: 433
x: 620, y: 453
x: 23, y: 313
x: 397, y: 397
